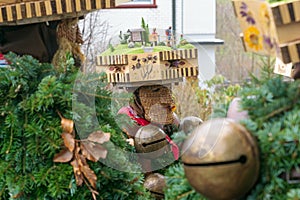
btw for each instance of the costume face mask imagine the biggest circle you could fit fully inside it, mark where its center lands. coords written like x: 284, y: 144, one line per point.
x: 157, y: 103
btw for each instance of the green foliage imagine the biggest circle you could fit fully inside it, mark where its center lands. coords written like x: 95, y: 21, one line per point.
x: 178, y: 186
x: 293, y: 194
x: 123, y: 37
x: 111, y: 48
x: 215, y: 97
x: 273, y: 106
x: 32, y: 94
x: 185, y: 46
x: 276, y: 1
x: 161, y: 43
x: 147, y: 32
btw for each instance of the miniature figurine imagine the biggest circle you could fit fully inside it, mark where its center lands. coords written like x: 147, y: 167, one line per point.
x: 151, y: 105
x: 153, y: 38
x: 152, y: 111
x: 182, y: 41
x: 169, y: 36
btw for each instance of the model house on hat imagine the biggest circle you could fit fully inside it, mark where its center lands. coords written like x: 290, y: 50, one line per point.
x: 133, y: 67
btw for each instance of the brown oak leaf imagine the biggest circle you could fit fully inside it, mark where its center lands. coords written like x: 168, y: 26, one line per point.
x: 99, y: 137
x: 68, y: 141
x: 77, y: 172
x: 67, y: 125
x: 87, y: 154
x: 81, y: 160
x: 93, y: 151
x: 63, y: 156
x: 90, y: 175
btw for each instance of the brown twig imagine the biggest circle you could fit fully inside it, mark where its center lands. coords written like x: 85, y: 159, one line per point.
x: 185, y: 194
x: 275, y: 112
x: 94, y: 192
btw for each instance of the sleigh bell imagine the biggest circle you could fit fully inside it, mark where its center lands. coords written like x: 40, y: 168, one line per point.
x: 151, y: 141
x: 221, y: 159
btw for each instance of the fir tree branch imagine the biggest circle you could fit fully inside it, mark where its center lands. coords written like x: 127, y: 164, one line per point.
x: 2, y: 191
x: 105, y: 175
x: 47, y: 172
x: 185, y: 194
x: 24, y: 149
x: 95, y: 79
x: 275, y: 112
x: 100, y: 96
x: 10, y: 140
x: 52, y: 143
x: 120, y: 191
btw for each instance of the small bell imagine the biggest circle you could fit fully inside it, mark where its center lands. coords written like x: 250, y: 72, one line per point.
x: 156, y: 184
x: 151, y: 141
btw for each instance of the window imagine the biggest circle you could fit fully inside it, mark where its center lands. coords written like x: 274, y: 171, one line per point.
x: 136, y: 4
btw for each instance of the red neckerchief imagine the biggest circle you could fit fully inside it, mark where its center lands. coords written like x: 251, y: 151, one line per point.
x: 143, y: 122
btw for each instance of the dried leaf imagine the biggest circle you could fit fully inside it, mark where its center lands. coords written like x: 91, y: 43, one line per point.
x: 77, y: 150
x: 90, y: 175
x: 67, y: 125
x: 93, y: 151
x: 99, y: 137
x: 77, y: 172
x: 81, y: 160
x: 86, y: 154
x: 68, y: 141
x: 63, y: 156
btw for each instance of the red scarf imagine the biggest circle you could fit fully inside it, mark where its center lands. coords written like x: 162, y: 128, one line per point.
x: 143, y: 122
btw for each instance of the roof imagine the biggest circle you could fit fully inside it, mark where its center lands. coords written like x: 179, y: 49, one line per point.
x: 137, y: 30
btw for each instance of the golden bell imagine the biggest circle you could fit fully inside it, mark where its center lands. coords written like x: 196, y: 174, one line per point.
x: 156, y: 184
x: 221, y: 159
x: 151, y: 141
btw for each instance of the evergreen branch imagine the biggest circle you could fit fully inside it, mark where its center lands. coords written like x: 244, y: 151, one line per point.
x: 185, y: 194
x: 275, y: 112
x: 47, y: 172
x: 10, y: 140
x: 34, y: 176
x: 52, y: 142
x: 120, y: 191
x: 24, y: 145
x: 95, y: 79
x: 105, y: 175
x: 101, y: 96
x: 2, y: 191
x: 173, y: 177
x: 8, y: 166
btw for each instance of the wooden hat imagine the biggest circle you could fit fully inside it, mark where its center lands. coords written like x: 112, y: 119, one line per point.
x: 17, y: 12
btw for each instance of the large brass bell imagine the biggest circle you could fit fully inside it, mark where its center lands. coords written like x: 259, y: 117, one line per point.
x: 221, y: 159
x: 151, y: 141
